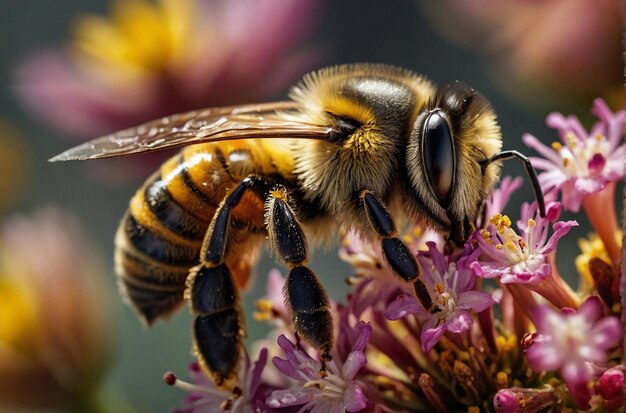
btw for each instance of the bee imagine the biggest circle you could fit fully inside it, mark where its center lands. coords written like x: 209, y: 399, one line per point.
x: 363, y: 146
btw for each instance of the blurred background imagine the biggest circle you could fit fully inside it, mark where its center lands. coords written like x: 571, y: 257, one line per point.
x: 74, y: 70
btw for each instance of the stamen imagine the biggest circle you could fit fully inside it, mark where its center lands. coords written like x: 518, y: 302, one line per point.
x: 171, y: 380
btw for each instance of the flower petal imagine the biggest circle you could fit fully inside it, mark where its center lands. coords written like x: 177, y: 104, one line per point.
x: 354, y: 399
x: 431, y: 333
x: 293, y: 396
x: 459, y: 321
x: 475, y: 300
x: 353, y: 364
x: 402, y: 306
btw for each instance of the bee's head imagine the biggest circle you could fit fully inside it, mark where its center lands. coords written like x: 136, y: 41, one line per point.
x: 451, y: 138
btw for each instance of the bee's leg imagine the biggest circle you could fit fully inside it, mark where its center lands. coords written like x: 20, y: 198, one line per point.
x: 218, y: 324
x: 305, y: 295
x: 400, y: 259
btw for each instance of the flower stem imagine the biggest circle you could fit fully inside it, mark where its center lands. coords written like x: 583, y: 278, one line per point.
x: 554, y: 289
x: 523, y: 306
x: 600, y: 209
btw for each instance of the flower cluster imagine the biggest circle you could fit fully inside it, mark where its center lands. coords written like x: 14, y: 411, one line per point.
x: 506, y: 334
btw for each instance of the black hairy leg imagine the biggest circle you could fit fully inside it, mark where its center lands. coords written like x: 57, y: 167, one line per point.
x: 400, y: 259
x: 306, y: 297
x: 212, y: 295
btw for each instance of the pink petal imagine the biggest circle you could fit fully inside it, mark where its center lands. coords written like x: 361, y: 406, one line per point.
x: 606, y: 333
x: 353, y: 364
x: 290, y: 397
x: 287, y: 368
x: 437, y: 258
x: 589, y: 185
x: 560, y: 229
x: 459, y: 321
x: 574, y: 371
x: 591, y: 309
x: 475, y: 300
x: 255, y: 373
x: 542, y: 356
x: 402, y: 306
x: 546, y: 165
x: 614, y: 121
x: 354, y: 399
x: 487, y: 270
x: 541, y: 317
x: 431, y: 333
x: 544, y: 150
x: 364, y: 331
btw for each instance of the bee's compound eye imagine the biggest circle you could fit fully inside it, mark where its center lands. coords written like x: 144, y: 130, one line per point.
x: 438, y: 155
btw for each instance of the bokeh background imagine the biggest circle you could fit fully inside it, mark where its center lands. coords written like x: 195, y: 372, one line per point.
x: 522, y: 55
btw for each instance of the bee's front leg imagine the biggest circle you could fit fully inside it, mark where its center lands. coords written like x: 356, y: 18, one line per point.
x: 400, y: 259
x: 305, y: 295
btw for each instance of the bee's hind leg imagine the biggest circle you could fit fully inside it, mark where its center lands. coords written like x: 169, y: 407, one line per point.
x: 212, y: 295
x: 305, y: 295
x: 400, y: 259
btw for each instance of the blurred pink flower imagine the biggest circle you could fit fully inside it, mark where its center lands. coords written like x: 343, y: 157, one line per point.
x: 154, y: 59
x: 54, y: 335
x: 565, y: 48
x: 576, y: 343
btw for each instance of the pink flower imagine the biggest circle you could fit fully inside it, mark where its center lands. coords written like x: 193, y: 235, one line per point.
x: 452, y: 289
x: 152, y: 59
x: 573, y: 342
x: 336, y: 392
x: 204, y: 397
x: 583, y: 162
x: 520, y: 258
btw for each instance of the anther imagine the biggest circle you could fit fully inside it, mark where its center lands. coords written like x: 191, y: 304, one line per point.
x: 169, y: 378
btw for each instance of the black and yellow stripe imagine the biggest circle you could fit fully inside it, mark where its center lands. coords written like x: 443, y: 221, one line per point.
x: 161, y: 234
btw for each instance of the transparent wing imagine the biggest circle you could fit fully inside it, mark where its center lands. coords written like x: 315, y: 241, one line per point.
x: 207, y: 125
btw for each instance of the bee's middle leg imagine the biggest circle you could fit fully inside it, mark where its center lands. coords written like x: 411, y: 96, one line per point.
x: 305, y: 295
x: 212, y: 295
x: 397, y: 254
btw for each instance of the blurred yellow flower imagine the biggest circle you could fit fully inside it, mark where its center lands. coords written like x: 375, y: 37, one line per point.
x: 591, y: 247
x: 152, y: 58
x: 54, y: 336
x: 140, y: 39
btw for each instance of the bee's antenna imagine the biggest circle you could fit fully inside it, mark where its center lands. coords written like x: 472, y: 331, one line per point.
x: 532, y: 174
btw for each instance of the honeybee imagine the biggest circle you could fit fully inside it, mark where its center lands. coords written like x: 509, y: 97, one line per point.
x: 356, y: 146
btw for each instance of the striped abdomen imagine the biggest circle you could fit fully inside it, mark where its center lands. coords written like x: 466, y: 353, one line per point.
x: 161, y: 234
